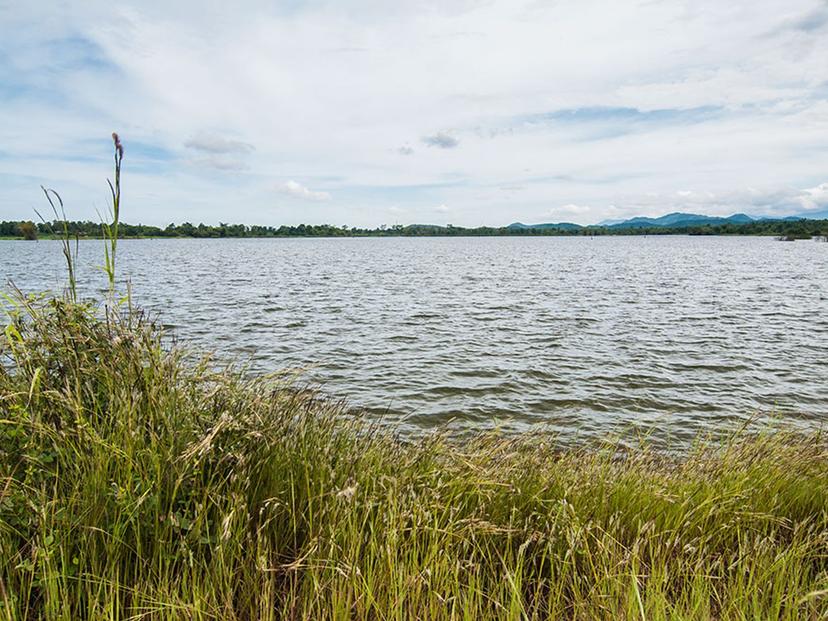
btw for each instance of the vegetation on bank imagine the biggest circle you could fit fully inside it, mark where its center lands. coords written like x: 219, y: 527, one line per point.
x: 136, y: 483
x: 799, y: 229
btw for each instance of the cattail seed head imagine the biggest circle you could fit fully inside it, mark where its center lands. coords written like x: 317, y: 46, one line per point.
x: 118, y: 146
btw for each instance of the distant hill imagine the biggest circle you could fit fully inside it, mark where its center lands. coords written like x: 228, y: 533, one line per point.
x: 679, y: 220
x: 671, y: 220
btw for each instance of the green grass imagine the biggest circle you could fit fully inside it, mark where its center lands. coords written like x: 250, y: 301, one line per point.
x: 139, y: 483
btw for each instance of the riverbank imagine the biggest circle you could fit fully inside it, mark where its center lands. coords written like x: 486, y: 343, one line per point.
x: 138, y: 482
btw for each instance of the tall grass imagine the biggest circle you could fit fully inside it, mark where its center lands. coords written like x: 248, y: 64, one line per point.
x: 69, y: 256
x: 139, y: 482
x: 110, y: 229
x: 135, y: 484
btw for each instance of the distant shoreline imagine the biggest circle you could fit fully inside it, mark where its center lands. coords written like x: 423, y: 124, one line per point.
x: 275, y: 237
x: 797, y: 229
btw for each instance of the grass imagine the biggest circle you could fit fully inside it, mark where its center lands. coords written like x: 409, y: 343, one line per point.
x: 139, y: 483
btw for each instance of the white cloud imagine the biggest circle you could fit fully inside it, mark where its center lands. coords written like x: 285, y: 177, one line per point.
x: 335, y: 88
x: 442, y: 209
x: 815, y: 198
x: 297, y: 190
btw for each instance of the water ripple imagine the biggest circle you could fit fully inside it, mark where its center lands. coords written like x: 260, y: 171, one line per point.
x: 579, y: 336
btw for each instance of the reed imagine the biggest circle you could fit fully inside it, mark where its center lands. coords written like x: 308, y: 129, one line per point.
x: 110, y: 227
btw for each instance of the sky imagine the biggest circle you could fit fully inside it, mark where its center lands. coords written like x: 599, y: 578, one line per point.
x: 464, y: 112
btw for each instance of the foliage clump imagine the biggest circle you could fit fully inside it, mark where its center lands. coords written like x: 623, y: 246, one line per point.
x: 27, y: 230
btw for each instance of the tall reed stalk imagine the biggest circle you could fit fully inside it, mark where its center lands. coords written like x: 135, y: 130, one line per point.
x: 70, y: 257
x: 110, y: 229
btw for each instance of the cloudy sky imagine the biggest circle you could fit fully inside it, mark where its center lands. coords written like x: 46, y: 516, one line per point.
x: 364, y: 112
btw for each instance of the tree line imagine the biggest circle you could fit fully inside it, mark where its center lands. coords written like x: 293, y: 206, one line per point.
x: 26, y: 229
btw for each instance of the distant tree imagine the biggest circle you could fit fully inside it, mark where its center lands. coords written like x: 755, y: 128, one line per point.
x: 27, y: 230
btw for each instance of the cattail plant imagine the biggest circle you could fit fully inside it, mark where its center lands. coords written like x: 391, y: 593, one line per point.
x: 110, y: 230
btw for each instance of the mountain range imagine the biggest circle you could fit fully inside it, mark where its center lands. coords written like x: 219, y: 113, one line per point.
x: 672, y: 220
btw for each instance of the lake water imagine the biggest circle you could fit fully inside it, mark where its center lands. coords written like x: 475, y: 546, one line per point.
x: 584, y: 336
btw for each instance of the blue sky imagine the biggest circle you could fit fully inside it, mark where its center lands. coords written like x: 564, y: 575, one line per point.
x: 453, y: 111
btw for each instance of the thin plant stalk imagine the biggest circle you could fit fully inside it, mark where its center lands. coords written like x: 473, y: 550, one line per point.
x: 110, y: 230
x: 65, y: 238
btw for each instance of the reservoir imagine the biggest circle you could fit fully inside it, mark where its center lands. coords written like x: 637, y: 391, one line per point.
x: 671, y: 335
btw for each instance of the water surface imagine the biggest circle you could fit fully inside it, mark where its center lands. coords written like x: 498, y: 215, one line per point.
x: 581, y: 335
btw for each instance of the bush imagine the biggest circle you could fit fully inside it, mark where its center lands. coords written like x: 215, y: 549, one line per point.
x: 27, y: 230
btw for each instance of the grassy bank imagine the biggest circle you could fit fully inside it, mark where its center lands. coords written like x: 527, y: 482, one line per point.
x: 138, y: 484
